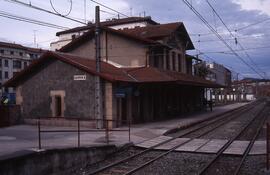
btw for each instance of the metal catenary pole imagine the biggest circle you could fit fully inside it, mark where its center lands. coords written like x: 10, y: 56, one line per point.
x: 98, y: 95
x: 267, y: 146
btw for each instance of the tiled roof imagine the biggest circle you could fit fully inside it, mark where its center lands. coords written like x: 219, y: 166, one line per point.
x: 154, y: 31
x: 110, y: 72
x: 109, y: 23
x: 18, y: 46
x: 160, y: 31
x: 151, y: 74
x: 11, y: 45
x: 91, y: 33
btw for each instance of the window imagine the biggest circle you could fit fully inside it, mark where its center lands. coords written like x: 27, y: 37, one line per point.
x: 0, y: 75
x: 0, y: 62
x: 6, y: 63
x: 25, y: 64
x: 17, y: 64
x: 21, y: 54
x: 6, y: 75
x: 156, y: 60
x: 31, y: 55
x: 15, y: 73
x: 173, y: 60
x: 11, y: 52
x: 179, y: 63
x: 2, y: 51
x: 73, y: 36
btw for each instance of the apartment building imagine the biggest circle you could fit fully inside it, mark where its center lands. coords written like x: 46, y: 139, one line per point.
x: 13, y: 59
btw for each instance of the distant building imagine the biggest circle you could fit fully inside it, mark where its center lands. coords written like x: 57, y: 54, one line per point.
x: 13, y: 59
x: 219, y: 74
x: 249, y: 89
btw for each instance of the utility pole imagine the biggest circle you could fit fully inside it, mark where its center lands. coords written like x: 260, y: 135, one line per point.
x: 98, y: 94
x: 35, y: 38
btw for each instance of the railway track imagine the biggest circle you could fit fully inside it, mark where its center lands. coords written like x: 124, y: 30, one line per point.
x: 213, y: 166
x: 128, y: 165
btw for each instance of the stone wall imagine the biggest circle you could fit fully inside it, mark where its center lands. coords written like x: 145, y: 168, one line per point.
x: 36, y: 91
x: 54, y: 162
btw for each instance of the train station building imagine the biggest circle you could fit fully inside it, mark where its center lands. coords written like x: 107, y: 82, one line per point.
x: 145, y: 76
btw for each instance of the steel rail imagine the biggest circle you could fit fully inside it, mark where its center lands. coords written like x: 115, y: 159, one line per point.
x: 236, y: 172
x: 220, y: 152
x: 226, y: 115
x: 174, y: 148
x: 164, y: 142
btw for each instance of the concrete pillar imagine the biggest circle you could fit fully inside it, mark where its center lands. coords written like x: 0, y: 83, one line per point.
x: 164, y: 59
x: 109, y: 104
x: 171, y: 62
x: 129, y: 107
x: 176, y: 62
x: 184, y: 68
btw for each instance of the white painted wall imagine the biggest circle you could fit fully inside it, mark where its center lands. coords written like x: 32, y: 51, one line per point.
x: 64, y: 39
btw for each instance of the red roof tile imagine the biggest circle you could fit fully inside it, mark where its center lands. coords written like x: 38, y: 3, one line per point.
x: 110, y: 23
x: 151, y: 74
x: 110, y: 72
x: 91, y: 33
x: 154, y: 31
x: 19, y: 46
x: 160, y: 31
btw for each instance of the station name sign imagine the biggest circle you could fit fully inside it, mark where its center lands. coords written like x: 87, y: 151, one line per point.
x: 79, y: 77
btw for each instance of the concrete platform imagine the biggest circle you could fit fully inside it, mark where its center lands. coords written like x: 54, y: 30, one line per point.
x: 173, y: 143
x: 212, y: 146
x: 237, y: 148
x: 259, y: 147
x: 25, y: 137
x: 192, y: 145
x: 152, y: 142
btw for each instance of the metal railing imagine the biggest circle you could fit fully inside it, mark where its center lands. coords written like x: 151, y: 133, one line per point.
x: 267, y: 146
x: 79, y: 130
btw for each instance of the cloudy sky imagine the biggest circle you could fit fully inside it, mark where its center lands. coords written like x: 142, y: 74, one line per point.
x: 248, y: 20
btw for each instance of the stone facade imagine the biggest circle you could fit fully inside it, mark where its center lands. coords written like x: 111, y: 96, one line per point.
x: 38, y: 91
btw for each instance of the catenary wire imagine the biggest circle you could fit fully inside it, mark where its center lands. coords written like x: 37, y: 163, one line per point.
x: 107, y: 7
x: 44, y: 10
x: 54, y: 9
x: 32, y: 21
x: 232, y: 35
x: 217, y: 34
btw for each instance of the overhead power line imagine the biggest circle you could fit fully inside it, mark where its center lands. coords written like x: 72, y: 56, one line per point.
x: 238, y: 50
x: 253, y: 24
x: 44, y: 10
x: 32, y: 21
x: 203, y: 54
x: 110, y: 13
x: 233, y: 36
x: 217, y: 34
x: 70, y: 8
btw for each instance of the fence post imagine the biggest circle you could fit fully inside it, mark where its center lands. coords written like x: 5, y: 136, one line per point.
x: 79, y: 133
x: 39, y: 139
x: 107, y: 131
x: 267, y: 146
x: 129, y: 130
